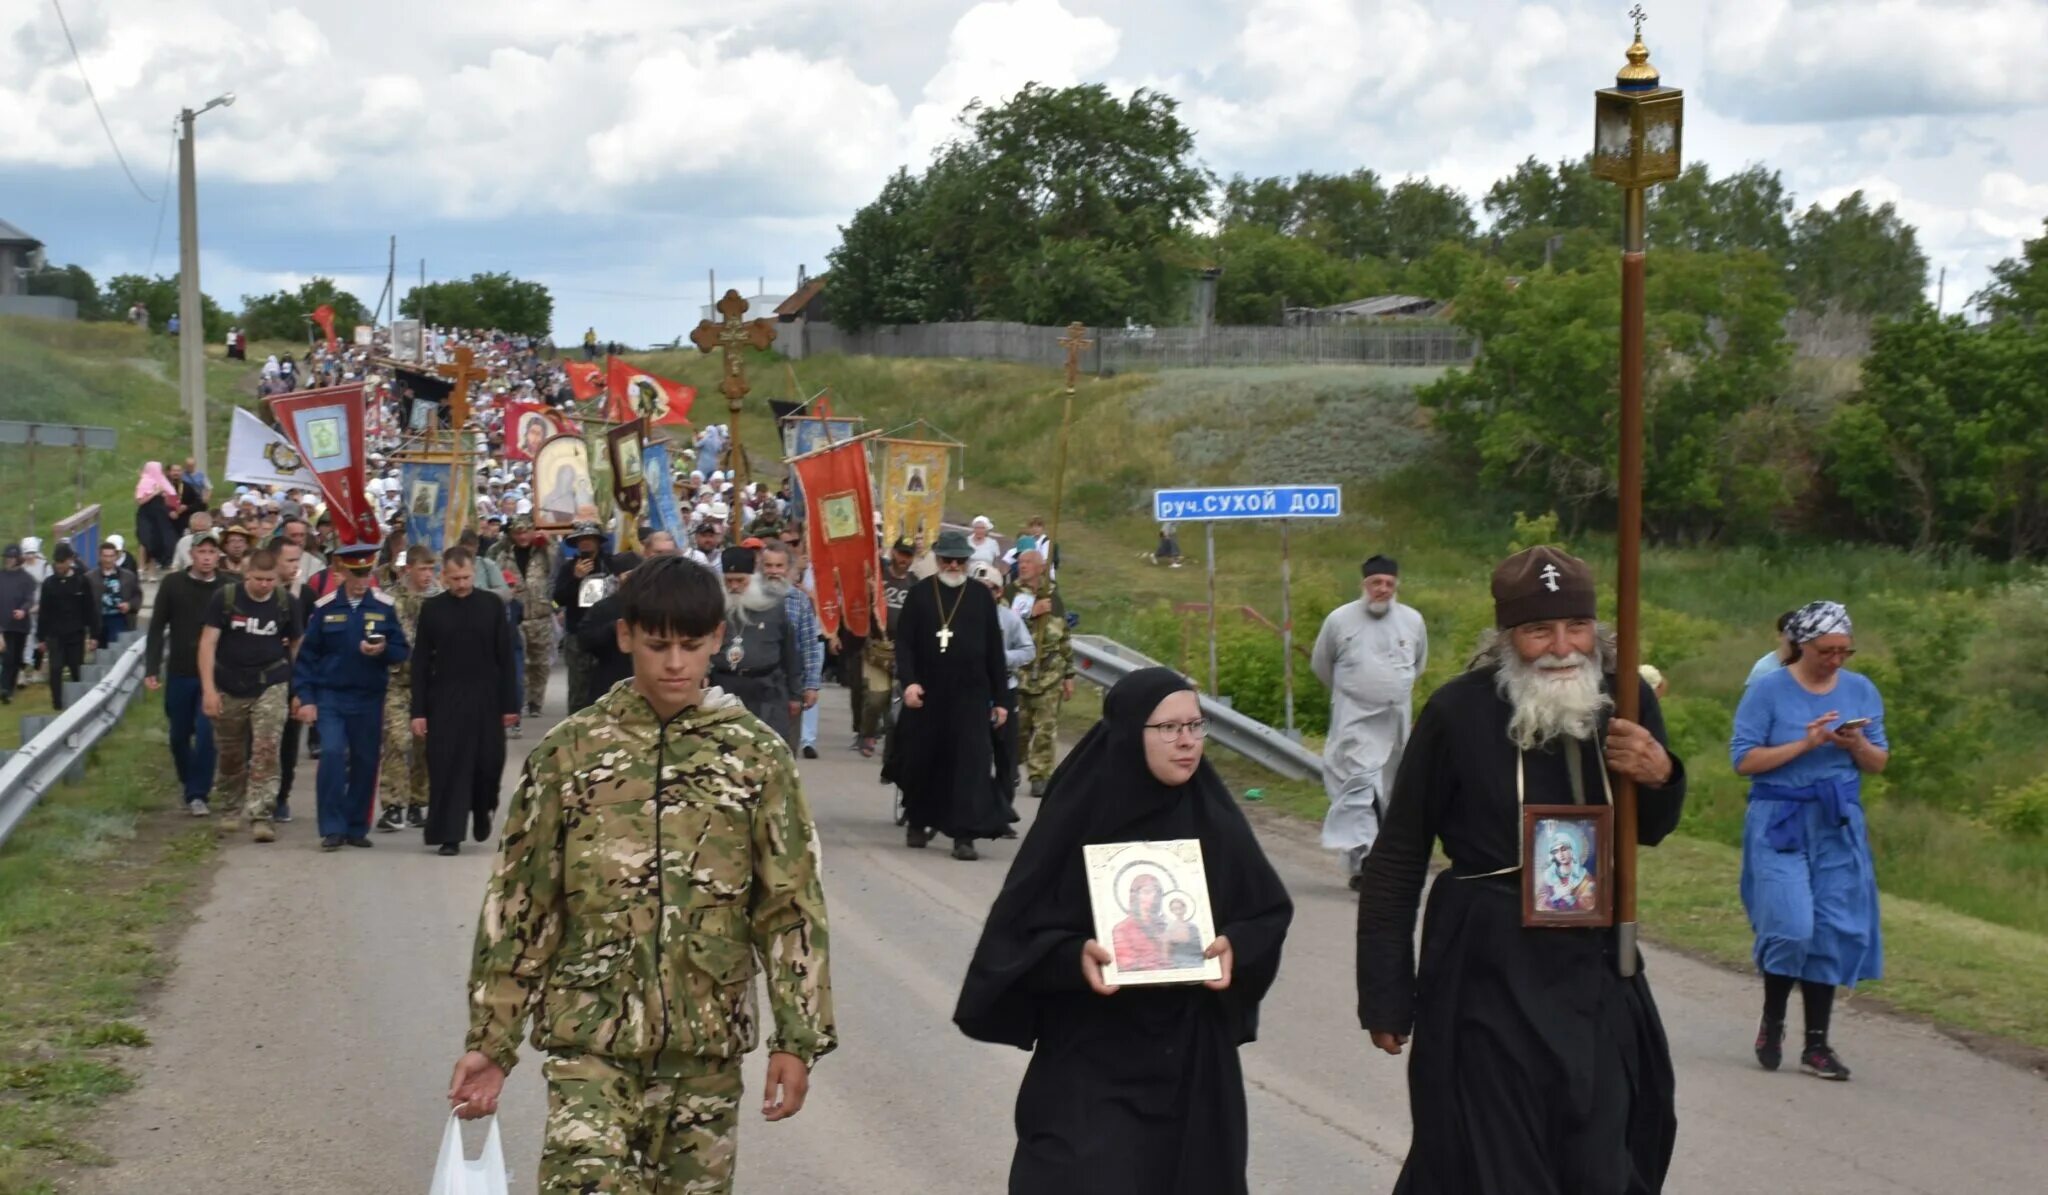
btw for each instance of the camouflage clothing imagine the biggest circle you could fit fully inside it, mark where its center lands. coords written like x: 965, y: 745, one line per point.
x: 668, y: 1126
x: 402, y: 781
x: 247, y: 781
x: 534, y: 591
x: 644, y: 867
x: 1039, y: 688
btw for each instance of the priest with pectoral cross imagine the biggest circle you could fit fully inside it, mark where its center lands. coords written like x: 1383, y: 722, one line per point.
x: 949, y: 658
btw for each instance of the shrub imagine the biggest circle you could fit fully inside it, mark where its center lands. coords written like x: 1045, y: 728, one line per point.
x: 2021, y: 811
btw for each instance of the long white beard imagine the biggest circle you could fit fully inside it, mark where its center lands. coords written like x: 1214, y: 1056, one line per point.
x: 1560, y: 701
x: 952, y: 580
x: 1379, y: 609
x: 773, y: 588
x: 753, y: 599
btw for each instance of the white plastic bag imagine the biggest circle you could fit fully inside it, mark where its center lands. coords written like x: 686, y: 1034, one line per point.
x: 456, y: 1174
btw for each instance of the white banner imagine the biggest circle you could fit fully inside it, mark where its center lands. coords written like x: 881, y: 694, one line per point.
x: 258, y: 455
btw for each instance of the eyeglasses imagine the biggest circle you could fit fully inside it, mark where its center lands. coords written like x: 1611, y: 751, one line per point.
x: 1171, y: 731
x: 1834, y: 653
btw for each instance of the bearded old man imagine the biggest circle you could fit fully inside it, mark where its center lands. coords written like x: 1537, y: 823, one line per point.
x: 1367, y: 655
x: 760, y: 661
x: 1538, y: 1070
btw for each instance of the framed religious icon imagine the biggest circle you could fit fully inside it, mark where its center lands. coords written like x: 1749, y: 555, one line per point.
x: 422, y: 415
x: 841, y: 515
x: 561, y: 481
x: 1151, y: 906
x: 1568, y: 865
x: 624, y: 446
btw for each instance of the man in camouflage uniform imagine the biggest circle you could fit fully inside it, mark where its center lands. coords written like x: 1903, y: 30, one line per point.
x: 878, y: 654
x: 529, y: 559
x: 244, y: 666
x: 402, y: 782
x: 1049, y: 679
x: 656, y: 847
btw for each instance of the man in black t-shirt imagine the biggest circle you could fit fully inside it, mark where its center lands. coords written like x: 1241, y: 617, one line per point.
x: 245, y: 662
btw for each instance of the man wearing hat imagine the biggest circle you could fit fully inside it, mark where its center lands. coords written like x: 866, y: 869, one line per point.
x: 706, y: 545
x: 1368, y: 655
x: 530, y: 560
x: 344, y: 663
x: 235, y: 543
x: 949, y: 659
x: 583, y: 579
x: 760, y: 660
x: 1534, y: 1059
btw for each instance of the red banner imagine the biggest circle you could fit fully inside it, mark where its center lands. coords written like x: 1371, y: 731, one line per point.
x: 635, y: 392
x: 527, y: 427
x: 326, y: 427
x: 839, y: 523
x: 324, y: 316
x: 586, y: 380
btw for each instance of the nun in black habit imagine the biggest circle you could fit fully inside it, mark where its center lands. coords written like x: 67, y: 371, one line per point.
x: 1136, y: 1090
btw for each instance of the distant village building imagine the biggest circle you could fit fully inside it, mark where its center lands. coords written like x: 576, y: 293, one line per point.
x: 20, y: 256
x: 1378, y: 309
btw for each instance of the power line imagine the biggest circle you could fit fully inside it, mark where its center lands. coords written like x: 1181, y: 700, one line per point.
x: 163, y: 201
x: 94, y: 97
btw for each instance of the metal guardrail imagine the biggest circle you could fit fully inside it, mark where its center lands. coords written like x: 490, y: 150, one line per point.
x: 45, y: 759
x: 1105, y: 662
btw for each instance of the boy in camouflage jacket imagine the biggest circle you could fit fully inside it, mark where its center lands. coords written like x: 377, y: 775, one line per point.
x: 657, y: 845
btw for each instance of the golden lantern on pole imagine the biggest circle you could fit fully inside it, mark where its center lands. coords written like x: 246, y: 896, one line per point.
x: 1637, y: 127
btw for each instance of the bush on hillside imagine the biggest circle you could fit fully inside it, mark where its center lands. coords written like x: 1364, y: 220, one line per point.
x: 1937, y: 716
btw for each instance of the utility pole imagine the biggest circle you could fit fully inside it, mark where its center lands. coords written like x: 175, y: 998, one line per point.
x: 191, y: 313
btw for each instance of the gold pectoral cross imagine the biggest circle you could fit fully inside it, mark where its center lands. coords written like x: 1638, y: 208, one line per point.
x: 945, y: 637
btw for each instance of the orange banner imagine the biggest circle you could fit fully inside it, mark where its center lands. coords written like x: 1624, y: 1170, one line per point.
x: 839, y: 521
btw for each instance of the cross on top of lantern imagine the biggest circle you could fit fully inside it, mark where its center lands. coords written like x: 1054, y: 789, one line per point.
x: 1637, y: 122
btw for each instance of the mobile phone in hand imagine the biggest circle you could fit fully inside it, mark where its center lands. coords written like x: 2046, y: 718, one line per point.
x: 1855, y: 724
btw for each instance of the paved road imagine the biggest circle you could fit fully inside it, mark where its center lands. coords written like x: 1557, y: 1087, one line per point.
x: 304, y: 1041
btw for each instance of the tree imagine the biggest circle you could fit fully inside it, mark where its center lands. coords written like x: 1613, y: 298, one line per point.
x: 1420, y: 215
x: 1857, y: 258
x: 1538, y: 195
x: 286, y: 315
x: 1264, y: 203
x: 68, y: 282
x: 1265, y: 272
x: 159, y: 296
x: 1943, y: 446
x: 497, y: 301
x: 1746, y: 210
x: 1344, y: 215
x: 2019, y: 285
x: 1536, y: 410
x: 1067, y: 203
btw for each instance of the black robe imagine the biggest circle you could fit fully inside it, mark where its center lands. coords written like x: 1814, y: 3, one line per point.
x: 462, y: 684
x: 1140, y: 1092
x: 1536, y: 1069
x: 941, y: 755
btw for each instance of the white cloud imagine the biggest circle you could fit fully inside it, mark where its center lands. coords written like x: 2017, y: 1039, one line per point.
x: 998, y: 46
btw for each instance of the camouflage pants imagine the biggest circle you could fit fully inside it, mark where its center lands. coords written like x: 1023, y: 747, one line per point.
x: 402, y: 782
x: 248, y: 732
x: 876, y: 694
x: 619, y: 1127
x: 540, y: 652
x: 1038, y: 724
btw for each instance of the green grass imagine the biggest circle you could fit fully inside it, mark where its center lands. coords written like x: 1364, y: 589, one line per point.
x: 91, y: 884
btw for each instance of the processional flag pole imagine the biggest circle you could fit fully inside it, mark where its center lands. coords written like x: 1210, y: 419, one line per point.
x: 1636, y: 125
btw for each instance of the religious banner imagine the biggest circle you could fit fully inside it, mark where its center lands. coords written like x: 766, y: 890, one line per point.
x: 913, y: 488
x: 324, y: 316
x: 561, y: 482
x: 258, y: 455
x: 839, y: 530
x: 624, y: 450
x: 634, y: 393
x: 326, y: 426
x: 808, y: 433
x: 527, y: 427
x: 586, y: 379
x: 428, y: 490
x: 664, y: 513
x: 407, y: 341
x: 600, y: 456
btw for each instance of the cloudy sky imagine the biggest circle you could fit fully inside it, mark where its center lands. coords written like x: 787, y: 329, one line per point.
x: 620, y: 151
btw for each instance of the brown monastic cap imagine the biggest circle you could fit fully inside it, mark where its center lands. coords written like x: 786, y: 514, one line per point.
x: 1540, y: 584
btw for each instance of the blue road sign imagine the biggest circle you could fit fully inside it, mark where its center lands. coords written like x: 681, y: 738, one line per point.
x: 1248, y: 502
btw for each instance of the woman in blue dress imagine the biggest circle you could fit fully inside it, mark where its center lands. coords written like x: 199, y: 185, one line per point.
x: 1806, y: 734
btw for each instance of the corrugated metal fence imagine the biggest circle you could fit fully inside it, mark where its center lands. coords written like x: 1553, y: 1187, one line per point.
x: 1116, y: 349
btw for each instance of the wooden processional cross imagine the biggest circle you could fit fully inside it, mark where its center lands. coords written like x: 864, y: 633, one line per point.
x: 464, y: 371
x: 730, y: 334
x: 1074, y: 341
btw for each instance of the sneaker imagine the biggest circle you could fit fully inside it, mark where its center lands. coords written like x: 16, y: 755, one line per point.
x: 916, y: 838
x: 963, y: 850
x: 283, y: 812
x: 392, y: 818
x: 330, y: 842
x: 262, y: 832
x: 198, y: 808
x: 1770, y: 1044
x: 359, y: 840
x: 532, y: 710
x: 1038, y: 788
x: 416, y: 818
x: 516, y: 730
x: 810, y: 751
x: 1820, y: 1062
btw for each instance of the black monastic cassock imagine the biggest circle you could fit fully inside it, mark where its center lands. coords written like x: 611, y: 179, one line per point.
x: 462, y: 684
x: 1536, y: 1069
x: 1140, y: 1092
x: 941, y: 755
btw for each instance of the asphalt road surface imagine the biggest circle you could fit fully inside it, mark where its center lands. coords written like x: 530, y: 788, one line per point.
x: 304, y: 1040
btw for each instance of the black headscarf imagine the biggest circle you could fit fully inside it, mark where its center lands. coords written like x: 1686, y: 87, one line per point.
x: 1104, y: 792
